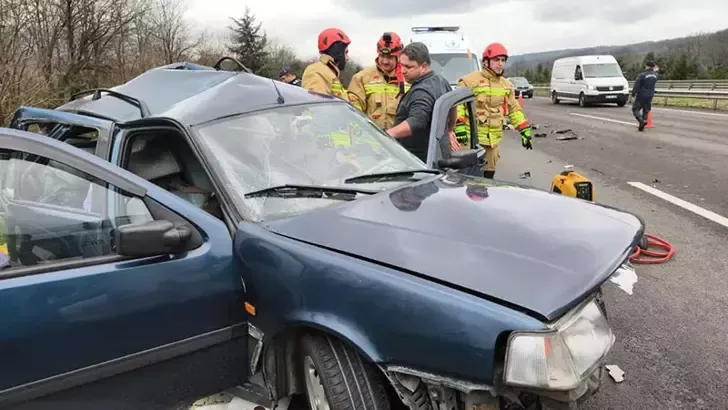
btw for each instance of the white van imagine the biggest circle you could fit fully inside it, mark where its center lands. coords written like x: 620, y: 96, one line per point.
x: 452, y: 54
x: 589, y: 79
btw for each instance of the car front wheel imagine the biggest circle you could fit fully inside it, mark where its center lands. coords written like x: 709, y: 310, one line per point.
x: 338, y: 378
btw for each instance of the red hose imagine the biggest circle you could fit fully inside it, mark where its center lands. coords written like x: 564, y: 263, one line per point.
x: 654, y: 257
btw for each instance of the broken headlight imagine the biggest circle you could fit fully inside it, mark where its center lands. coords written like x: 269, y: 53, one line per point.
x: 562, y: 357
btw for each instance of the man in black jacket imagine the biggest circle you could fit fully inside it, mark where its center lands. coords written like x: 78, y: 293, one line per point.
x: 414, y: 113
x: 287, y: 76
x: 643, y: 92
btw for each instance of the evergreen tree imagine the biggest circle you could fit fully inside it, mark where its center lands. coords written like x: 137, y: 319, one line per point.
x: 249, y: 43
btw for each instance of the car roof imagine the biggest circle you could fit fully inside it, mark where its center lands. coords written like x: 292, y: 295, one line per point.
x: 193, y: 95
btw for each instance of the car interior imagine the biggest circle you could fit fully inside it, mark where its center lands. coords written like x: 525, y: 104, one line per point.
x: 165, y: 158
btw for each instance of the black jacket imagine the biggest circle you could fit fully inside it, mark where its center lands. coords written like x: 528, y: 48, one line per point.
x: 644, y: 86
x: 416, y: 108
x: 296, y: 81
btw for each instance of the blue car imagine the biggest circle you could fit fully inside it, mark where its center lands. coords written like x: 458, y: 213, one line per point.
x: 198, y: 230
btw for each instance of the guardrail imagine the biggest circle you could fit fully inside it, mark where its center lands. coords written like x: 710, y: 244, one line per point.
x: 715, y: 90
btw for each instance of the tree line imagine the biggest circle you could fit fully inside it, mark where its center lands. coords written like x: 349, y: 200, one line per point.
x: 50, y: 49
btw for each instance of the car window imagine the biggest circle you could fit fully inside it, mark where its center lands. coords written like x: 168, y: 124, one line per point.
x: 602, y: 70
x: 312, y: 144
x: 51, y: 212
x: 453, y: 66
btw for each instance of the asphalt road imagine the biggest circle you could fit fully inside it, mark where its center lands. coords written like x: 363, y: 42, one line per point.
x: 672, y: 332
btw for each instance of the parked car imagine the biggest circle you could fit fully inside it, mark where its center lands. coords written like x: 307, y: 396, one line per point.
x: 191, y: 231
x: 521, y: 86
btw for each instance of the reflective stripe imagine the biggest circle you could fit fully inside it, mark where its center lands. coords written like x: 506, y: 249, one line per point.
x: 383, y: 89
x: 518, y: 119
x: 497, y: 92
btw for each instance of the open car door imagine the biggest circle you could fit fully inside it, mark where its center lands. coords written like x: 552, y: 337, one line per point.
x: 468, y: 161
x: 131, y: 302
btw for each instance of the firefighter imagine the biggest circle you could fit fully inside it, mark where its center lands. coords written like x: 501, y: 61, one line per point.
x: 323, y: 76
x: 493, y: 96
x: 376, y: 90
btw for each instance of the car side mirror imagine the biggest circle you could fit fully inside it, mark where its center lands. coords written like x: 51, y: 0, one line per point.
x: 460, y: 159
x: 150, y: 238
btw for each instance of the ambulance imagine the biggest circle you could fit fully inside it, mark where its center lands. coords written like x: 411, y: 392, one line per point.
x: 452, y: 54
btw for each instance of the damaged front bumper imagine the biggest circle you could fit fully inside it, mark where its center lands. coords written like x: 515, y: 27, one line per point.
x: 551, y: 368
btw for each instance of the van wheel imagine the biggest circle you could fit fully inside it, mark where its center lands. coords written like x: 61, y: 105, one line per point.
x: 582, y: 100
x: 337, y: 377
x: 554, y: 97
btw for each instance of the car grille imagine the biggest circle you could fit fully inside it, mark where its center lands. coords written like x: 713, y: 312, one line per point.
x: 612, y: 88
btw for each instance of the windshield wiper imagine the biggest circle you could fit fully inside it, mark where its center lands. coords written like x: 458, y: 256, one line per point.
x: 395, y: 175
x: 308, y: 191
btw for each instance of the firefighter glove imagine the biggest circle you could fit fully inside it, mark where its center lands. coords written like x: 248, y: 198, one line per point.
x: 526, y: 139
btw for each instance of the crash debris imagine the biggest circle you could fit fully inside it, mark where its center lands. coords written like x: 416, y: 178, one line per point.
x: 525, y: 175
x: 625, y: 277
x: 615, y: 373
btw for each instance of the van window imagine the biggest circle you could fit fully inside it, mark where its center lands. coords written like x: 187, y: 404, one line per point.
x: 454, y: 66
x: 602, y: 70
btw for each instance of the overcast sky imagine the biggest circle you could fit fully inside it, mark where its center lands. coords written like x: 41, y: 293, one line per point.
x: 522, y: 26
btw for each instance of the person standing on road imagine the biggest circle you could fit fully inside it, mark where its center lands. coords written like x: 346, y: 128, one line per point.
x: 323, y: 76
x: 493, y: 96
x: 413, y: 118
x: 286, y: 76
x: 643, y: 92
x: 377, y: 90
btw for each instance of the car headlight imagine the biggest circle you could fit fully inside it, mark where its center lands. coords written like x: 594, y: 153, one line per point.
x: 562, y: 357
x: 590, y: 87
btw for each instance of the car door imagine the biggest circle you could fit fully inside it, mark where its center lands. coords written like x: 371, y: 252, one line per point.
x: 439, y: 154
x: 63, y: 125
x: 103, y: 307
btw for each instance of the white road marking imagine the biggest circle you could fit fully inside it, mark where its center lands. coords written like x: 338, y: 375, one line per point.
x: 710, y: 215
x: 632, y: 124
x: 714, y: 114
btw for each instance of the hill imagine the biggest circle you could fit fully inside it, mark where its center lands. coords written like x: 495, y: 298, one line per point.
x: 700, y: 56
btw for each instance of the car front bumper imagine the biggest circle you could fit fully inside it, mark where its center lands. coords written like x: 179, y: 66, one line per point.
x: 606, y: 97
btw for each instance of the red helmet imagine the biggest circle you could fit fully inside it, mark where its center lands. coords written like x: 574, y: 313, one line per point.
x: 330, y: 36
x: 389, y: 43
x: 494, y: 50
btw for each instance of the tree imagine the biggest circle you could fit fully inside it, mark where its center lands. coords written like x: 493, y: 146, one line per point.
x: 249, y: 43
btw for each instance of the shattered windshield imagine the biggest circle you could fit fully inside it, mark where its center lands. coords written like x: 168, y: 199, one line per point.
x: 314, y: 145
x: 602, y: 70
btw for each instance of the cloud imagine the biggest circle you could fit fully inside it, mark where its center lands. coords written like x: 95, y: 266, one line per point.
x: 521, y: 25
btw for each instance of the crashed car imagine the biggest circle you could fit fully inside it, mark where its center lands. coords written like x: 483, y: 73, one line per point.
x: 195, y: 231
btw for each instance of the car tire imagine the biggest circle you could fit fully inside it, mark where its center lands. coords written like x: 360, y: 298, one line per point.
x: 336, y: 374
x: 554, y: 97
x: 621, y: 103
x: 582, y: 100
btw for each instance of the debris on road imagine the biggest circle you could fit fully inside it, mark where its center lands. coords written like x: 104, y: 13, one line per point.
x: 540, y: 135
x: 615, y: 372
x: 567, y: 134
x: 568, y: 137
x: 625, y: 277
x: 525, y: 175
x: 563, y: 131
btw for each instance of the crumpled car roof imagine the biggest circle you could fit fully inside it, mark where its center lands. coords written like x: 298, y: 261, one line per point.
x: 193, y: 94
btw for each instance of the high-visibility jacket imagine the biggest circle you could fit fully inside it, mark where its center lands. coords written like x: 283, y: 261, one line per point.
x: 494, y: 98
x: 323, y: 77
x: 376, y: 94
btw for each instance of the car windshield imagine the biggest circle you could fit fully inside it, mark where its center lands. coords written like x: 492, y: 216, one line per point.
x: 321, y: 145
x: 453, y: 66
x: 602, y: 70
x: 519, y: 81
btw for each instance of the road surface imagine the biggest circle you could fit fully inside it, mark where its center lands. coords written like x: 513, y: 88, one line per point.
x: 672, y: 332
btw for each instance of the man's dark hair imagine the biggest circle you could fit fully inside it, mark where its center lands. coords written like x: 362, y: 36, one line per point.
x: 418, y: 53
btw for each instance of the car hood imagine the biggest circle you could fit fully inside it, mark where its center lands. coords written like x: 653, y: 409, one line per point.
x: 527, y: 248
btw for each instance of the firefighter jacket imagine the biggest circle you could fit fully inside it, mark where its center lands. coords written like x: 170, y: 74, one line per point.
x: 493, y: 96
x: 376, y: 94
x: 323, y: 77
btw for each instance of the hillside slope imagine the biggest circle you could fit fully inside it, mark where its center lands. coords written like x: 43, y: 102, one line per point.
x: 697, y: 56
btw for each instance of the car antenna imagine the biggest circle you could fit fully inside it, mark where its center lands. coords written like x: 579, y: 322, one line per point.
x: 280, y: 96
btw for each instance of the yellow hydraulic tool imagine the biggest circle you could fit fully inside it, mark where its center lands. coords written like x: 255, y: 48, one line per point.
x: 571, y: 183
